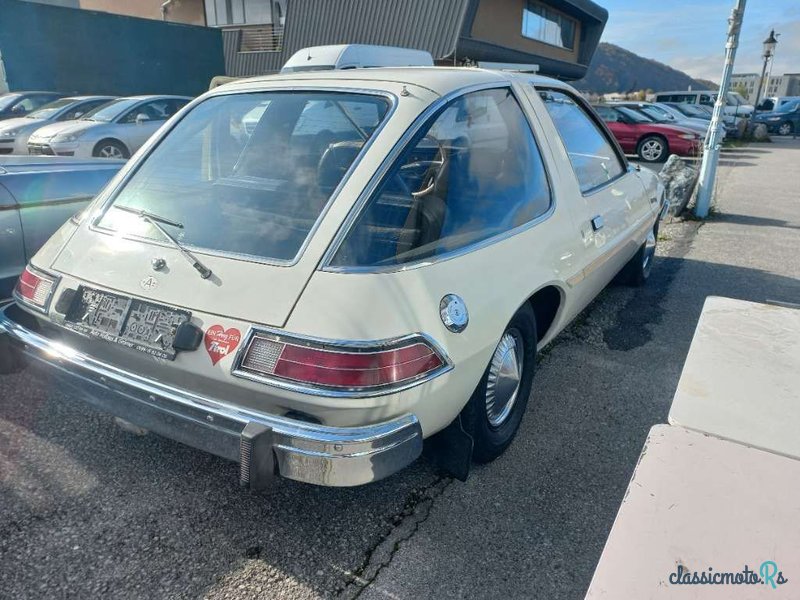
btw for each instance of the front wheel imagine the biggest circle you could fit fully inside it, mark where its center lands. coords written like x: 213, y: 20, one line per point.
x: 111, y: 149
x: 494, y: 412
x: 652, y: 149
x: 785, y: 129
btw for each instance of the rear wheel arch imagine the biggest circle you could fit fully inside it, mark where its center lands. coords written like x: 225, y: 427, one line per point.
x: 546, y: 303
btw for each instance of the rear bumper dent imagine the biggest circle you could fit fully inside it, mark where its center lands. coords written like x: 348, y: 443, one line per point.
x: 265, y: 445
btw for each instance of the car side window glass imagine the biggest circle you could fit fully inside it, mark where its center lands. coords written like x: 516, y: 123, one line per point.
x: 472, y: 172
x: 157, y: 110
x: 80, y: 110
x: 609, y: 115
x: 25, y: 105
x: 591, y: 153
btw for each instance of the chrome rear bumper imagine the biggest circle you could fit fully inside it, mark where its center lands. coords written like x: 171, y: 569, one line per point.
x: 265, y: 445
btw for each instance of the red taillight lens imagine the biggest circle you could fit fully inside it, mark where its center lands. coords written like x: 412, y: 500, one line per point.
x: 34, y: 288
x: 341, y: 367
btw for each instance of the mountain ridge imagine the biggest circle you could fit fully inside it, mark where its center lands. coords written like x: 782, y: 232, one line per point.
x: 615, y: 69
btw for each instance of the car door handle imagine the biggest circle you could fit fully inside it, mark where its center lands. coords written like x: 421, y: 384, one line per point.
x: 597, y: 223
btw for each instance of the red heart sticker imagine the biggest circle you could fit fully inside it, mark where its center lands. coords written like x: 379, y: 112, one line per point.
x: 220, y: 342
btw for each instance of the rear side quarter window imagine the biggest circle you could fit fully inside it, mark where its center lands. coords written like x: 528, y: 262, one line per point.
x: 472, y: 172
x: 593, y: 156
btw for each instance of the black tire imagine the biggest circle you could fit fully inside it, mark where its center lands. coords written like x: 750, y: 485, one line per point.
x: 637, y: 270
x: 647, y: 145
x: 491, y: 441
x: 11, y: 359
x: 110, y: 148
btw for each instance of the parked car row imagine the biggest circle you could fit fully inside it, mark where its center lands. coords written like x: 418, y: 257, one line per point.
x: 644, y: 129
x: 82, y: 126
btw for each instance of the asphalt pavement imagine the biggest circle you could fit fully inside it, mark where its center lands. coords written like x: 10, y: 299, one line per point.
x: 88, y: 510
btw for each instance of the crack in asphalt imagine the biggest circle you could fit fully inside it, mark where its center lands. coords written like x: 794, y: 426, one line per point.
x: 407, y: 522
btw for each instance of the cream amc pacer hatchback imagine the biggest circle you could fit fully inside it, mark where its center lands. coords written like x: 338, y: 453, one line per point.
x: 311, y: 273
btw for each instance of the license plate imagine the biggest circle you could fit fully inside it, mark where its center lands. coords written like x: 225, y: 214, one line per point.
x: 143, y: 326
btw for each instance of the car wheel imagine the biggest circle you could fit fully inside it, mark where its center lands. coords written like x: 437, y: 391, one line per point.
x: 652, y: 149
x: 110, y: 149
x: 494, y: 412
x: 637, y: 271
x: 785, y: 129
x: 11, y: 359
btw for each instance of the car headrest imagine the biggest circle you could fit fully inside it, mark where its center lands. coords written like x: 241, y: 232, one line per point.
x: 335, y: 161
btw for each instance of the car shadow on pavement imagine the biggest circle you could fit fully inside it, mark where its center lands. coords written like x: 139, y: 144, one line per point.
x: 751, y: 220
x: 87, y: 509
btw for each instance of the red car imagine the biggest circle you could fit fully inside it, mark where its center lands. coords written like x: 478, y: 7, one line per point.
x: 653, y: 142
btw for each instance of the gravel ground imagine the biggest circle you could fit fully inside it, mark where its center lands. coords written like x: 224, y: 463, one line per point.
x: 88, y: 510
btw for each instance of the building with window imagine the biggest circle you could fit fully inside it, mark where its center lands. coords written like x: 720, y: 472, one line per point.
x: 559, y: 36
x: 787, y: 84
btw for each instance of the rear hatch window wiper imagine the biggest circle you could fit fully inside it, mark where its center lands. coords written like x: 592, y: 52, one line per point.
x: 156, y: 220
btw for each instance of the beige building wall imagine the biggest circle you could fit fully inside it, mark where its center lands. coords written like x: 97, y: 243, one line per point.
x: 190, y: 12
x: 501, y: 23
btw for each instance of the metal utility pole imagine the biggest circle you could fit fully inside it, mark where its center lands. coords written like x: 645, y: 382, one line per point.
x: 708, y: 169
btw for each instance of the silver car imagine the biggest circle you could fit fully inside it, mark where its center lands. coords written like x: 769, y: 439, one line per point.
x: 14, y: 133
x: 115, y: 130
x: 37, y: 196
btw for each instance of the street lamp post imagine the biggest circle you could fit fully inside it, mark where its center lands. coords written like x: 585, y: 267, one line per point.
x: 769, y: 52
x: 713, y: 142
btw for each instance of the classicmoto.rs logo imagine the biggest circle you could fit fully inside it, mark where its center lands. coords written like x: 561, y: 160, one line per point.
x: 767, y: 574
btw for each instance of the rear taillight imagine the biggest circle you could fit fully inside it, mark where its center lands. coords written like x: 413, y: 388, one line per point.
x: 34, y: 288
x: 354, y: 367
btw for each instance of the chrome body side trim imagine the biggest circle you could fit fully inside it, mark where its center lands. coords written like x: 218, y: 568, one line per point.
x: 299, y: 450
x: 352, y: 345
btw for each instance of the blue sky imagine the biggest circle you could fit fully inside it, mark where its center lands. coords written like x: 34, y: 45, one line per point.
x: 690, y: 34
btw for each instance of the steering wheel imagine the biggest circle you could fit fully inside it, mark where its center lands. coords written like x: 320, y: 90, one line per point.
x: 434, y: 167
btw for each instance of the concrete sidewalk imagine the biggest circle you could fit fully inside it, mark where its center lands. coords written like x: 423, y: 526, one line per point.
x: 533, y: 524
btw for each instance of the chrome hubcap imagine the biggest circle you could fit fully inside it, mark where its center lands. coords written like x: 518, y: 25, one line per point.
x: 649, y: 250
x: 110, y: 152
x: 652, y: 149
x: 505, y: 375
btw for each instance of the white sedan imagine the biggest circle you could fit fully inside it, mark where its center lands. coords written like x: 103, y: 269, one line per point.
x: 115, y: 130
x: 373, y: 259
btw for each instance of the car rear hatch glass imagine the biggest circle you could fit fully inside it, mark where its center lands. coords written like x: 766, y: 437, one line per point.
x: 236, y: 188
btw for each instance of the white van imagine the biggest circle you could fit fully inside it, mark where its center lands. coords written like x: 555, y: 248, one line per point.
x: 355, y: 56
x: 735, y: 104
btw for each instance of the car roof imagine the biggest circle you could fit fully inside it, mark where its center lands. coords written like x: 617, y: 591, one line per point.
x: 689, y: 92
x: 439, y: 80
x: 154, y: 97
x: 83, y: 98
x: 28, y: 93
x: 18, y: 164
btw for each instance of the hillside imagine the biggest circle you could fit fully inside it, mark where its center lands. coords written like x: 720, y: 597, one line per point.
x: 615, y: 69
